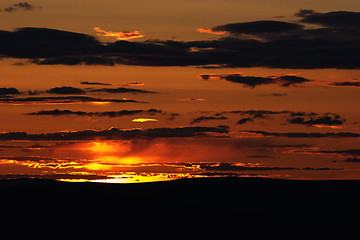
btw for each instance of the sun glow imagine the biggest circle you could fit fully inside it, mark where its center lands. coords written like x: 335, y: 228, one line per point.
x: 101, y: 147
x: 97, y: 166
x: 121, y: 160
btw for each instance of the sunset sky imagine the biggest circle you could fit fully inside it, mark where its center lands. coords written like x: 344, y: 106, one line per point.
x: 125, y: 91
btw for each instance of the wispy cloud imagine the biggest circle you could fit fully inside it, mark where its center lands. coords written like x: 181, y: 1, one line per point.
x: 302, y: 134
x: 110, y: 114
x: 120, y: 90
x: 118, y: 35
x: 192, y: 99
x: 95, y: 83
x: 21, y: 6
x: 205, y: 118
x: 351, y: 83
x: 62, y: 100
x: 287, y: 80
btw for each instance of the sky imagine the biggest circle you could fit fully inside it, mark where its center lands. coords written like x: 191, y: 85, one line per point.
x: 136, y: 91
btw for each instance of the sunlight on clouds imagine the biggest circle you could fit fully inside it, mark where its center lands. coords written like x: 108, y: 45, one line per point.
x: 326, y: 126
x: 118, y: 35
x: 100, y: 103
x: 209, y: 30
x: 141, y: 120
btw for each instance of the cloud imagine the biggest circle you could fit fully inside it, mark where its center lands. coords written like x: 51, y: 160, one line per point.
x: 242, y: 167
x: 252, y: 82
x: 311, y: 119
x: 258, y: 27
x: 257, y: 113
x: 24, y: 6
x: 71, y: 90
x: 274, y: 94
x: 95, y: 83
x: 44, y: 43
x: 192, y: 99
x: 62, y: 100
x: 352, y: 160
x: 118, y: 35
x: 303, y: 135
x: 352, y: 152
x: 273, y: 44
x: 353, y: 83
x: 65, y: 90
x: 205, y: 118
x: 120, y: 90
x: 211, y: 31
x: 55, y: 176
x: 244, y: 120
x: 9, y: 91
x: 28, y: 158
x: 336, y: 19
x: 110, y: 114
x: 328, y: 119
x: 119, y: 134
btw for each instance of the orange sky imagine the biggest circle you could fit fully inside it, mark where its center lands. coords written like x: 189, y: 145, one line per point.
x: 179, y: 95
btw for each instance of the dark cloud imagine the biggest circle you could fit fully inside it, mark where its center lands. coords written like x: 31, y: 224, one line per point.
x: 206, y: 118
x: 65, y: 90
x: 95, y: 83
x: 244, y: 120
x: 237, y: 167
x: 274, y: 44
x: 352, y: 152
x: 120, y: 90
x: 63, y: 100
x: 251, y: 81
x: 72, y: 90
x: 258, y: 27
x: 110, y: 114
x: 290, y: 80
x: 353, y: 83
x: 24, y: 6
x: 119, y: 134
x: 337, y: 19
x: 54, y: 176
x: 328, y: 119
x: 256, y: 113
x: 9, y: 91
x: 305, y: 135
x: 352, y: 160
x: 273, y: 95
x: 44, y: 43
x: 303, y: 118
x: 28, y: 158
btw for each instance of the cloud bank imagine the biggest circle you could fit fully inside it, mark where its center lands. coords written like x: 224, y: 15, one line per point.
x: 252, y: 82
x: 333, y: 41
x: 119, y: 134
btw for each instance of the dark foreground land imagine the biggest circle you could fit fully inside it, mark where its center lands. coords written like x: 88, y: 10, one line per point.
x: 195, y: 198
